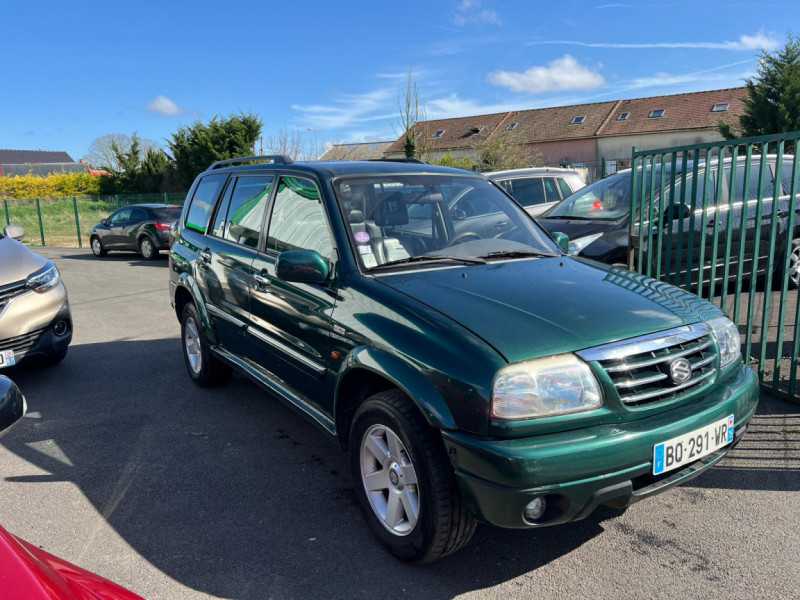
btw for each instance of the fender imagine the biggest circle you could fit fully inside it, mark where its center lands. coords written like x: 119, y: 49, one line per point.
x: 186, y: 281
x: 405, y: 376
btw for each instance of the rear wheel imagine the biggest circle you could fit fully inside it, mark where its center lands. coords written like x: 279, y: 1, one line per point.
x: 97, y: 247
x: 204, y: 368
x: 147, y: 248
x: 404, y: 482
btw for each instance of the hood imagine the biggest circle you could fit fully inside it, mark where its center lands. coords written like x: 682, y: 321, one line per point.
x: 536, y: 307
x: 16, y: 261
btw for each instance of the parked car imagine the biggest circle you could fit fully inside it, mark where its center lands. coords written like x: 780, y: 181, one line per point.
x: 469, y: 377
x: 35, y: 321
x: 142, y: 228
x: 597, y: 218
x: 540, y: 188
x: 28, y: 572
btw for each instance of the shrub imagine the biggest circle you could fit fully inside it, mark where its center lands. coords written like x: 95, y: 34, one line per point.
x: 57, y: 184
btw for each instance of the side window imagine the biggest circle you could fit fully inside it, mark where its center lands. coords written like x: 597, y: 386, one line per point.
x: 475, y: 204
x: 221, y: 216
x: 562, y: 184
x: 786, y: 179
x: 203, y: 202
x: 528, y: 191
x: 752, y: 186
x: 138, y: 214
x: 248, y: 205
x: 550, y: 190
x: 298, y: 219
x: 123, y: 214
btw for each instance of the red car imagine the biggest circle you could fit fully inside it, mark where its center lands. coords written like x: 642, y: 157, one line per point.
x: 29, y: 573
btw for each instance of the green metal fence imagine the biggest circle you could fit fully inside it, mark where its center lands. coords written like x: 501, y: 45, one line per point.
x: 67, y: 221
x: 720, y: 220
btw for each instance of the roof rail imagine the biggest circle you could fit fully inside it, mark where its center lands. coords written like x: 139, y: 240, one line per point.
x: 277, y: 159
x: 400, y: 160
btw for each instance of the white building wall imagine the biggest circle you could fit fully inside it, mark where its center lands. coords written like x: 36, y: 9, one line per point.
x: 619, y: 147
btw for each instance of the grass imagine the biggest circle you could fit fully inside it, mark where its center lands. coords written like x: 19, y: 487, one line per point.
x: 58, y: 216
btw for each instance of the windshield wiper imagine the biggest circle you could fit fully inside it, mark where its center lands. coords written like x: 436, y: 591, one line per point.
x: 515, y: 254
x: 430, y: 258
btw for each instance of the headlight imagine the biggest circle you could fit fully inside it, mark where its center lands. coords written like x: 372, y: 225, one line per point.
x: 544, y: 387
x: 730, y: 343
x: 577, y: 245
x: 44, y: 278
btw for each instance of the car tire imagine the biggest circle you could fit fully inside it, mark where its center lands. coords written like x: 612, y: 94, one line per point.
x: 97, y: 247
x: 204, y: 368
x: 794, y: 265
x: 413, y: 452
x: 147, y: 248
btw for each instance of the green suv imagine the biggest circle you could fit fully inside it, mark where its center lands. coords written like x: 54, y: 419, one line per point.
x: 470, y: 376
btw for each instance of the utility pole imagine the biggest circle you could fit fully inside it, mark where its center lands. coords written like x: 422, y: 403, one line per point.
x: 316, y: 155
x: 261, y: 145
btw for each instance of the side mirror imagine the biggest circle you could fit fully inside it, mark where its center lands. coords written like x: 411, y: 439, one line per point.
x: 457, y: 214
x: 302, y: 266
x: 562, y: 239
x: 15, y: 232
x: 104, y: 222
x: 12, y: 403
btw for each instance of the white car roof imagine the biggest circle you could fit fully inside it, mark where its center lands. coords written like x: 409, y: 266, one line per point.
x: 531, y: 171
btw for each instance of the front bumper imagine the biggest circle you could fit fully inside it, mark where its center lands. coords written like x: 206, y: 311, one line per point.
x: 575, y: 471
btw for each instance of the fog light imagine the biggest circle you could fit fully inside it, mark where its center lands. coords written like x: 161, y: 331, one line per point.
x: 60, y: 328
x: 535, y: 509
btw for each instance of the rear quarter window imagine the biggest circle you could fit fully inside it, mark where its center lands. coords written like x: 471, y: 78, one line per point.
x: 202, y: 205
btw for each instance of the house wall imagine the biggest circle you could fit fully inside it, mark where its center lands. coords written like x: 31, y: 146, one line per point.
x: 619, y: 147
x: 574, y: 151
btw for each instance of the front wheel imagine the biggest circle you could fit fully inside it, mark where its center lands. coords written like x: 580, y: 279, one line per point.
x: 147, y: 249
x: 403, y: 481
x: 97, y: 247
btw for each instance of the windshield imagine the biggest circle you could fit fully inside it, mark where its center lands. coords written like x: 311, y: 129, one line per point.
x: 403, y: 219
x: 606, y: 200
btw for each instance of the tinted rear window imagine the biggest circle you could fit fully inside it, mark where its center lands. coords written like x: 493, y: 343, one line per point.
x: 167, y: 214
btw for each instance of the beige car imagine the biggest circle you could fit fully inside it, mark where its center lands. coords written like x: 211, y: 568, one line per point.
x: 35, y: 320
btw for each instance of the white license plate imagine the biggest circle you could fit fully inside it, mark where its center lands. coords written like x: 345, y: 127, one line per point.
x: 6, y: 358
x: 692, y: 446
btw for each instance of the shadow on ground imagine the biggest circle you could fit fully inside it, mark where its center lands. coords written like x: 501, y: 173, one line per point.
x: 131, y: 258
x: 231, y: 493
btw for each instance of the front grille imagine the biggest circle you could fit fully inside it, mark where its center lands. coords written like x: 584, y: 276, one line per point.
x: 639, y: 368
x: 11, y: 291
x: 22, y: 343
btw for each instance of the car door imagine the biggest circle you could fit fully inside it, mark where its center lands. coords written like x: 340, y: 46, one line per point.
x: 225, y: 266
x: 116, y: 228
x: 131, y: 229
x: 290, y: 322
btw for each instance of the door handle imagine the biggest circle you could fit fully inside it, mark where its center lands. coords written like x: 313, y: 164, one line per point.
x: 261, y: 280
x: 206, y: 255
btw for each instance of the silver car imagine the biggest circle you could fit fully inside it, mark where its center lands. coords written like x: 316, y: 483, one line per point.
x: 540, y: 188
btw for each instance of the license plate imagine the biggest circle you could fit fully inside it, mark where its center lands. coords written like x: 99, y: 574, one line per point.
x: 6, y: 358
x: 692, y: 446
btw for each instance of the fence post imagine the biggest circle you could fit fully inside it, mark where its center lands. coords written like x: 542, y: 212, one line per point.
x: 632, y: 225
x: 8, y: 219
x: 77, y: 222
x: 165, y: 199
x: 39, y: 213
x: 602, y: 168
x: 116, y: 200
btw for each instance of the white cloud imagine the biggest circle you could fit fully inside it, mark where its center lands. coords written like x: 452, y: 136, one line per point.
x: 164, y: 106
x: 563, y: 73
x: 349, y: 109
x: 757, y: 41
x: 470, y: 11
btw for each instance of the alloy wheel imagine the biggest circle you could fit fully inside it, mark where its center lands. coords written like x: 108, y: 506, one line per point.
x: 794, y: 265
x: 96, y: 246
x: 191, y: 342
x: 147, y: 248
x: 390, y: 480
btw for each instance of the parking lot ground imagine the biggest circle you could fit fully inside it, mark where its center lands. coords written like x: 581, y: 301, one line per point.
x: 126, y: 468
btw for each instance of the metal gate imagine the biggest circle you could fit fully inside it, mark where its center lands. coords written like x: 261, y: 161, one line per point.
x: 720, y: 220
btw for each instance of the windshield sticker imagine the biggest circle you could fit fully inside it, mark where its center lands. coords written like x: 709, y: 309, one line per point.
x: 365, y: 250
x: 362, y: 237
x: 369, y: 260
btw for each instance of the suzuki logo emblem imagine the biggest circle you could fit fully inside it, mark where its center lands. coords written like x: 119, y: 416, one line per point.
x: 680, y: 370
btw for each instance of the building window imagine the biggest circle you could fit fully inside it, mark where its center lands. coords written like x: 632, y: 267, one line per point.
x: 476, y: 130
x: 623, y: 116
x: 417, y: 133
x: 437, y: 133
x: 721, y: 107
x: 655, y: 114
x: 577, y: 120
x: 511, y: 126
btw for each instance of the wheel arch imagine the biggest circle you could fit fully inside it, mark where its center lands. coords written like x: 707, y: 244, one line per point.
x: 186, y: 291
x: 368, y: 371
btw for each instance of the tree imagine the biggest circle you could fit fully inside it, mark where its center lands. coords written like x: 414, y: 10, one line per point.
x: 289, y: 142
x: 195, y: 147
x: 498, y: 152
x: 772, y: 102
x: 412, y: 115
x: 101, y: 152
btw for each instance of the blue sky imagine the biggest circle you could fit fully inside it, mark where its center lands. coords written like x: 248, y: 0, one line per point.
x: 73, y: 71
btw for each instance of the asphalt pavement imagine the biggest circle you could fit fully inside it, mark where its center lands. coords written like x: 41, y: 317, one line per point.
x: 126, y: 468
